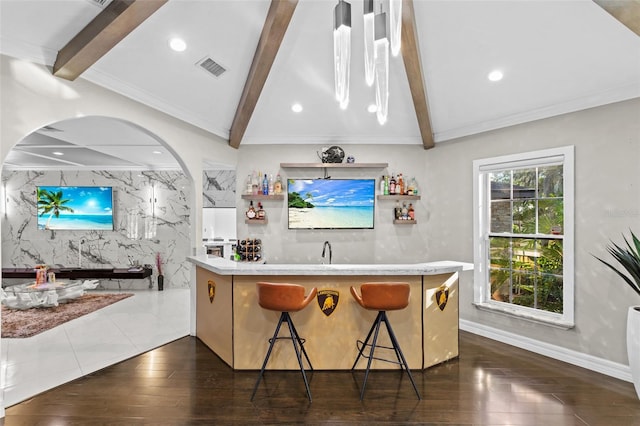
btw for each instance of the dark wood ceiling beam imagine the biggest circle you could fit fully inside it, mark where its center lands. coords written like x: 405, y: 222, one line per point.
x: 106, y: 30
x: 413, y: 67
x: 627, y: 12
x: 273, y: 31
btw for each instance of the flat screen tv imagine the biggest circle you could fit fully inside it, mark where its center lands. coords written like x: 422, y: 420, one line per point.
x: 75, y: 207
x: 331, y: 203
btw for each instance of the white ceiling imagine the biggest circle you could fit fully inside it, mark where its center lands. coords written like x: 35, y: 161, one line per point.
x: 557, y: 57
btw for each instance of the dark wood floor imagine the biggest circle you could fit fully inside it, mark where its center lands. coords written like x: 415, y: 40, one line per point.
x: 184, y: 383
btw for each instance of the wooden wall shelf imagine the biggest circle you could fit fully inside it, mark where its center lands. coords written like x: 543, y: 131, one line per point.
x: 404, y: 222
x: 262, y: 197
x: 256, y: 221
x: 398, y: 197
x: 335, y: 165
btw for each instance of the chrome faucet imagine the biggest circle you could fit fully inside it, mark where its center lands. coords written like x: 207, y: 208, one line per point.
x: 324, y: 247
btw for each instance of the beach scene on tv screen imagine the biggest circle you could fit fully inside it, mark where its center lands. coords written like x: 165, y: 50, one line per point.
x: 331, y: 203
x: 75, y: 207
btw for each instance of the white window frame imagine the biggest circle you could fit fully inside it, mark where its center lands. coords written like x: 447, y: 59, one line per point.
x: 481, y: 223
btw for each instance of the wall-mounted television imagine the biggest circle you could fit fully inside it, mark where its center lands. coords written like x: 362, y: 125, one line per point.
x: 75, y: 207
x: 331, y: 203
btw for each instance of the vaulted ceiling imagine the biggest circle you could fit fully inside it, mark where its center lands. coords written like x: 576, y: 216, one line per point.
x: 556, y: 56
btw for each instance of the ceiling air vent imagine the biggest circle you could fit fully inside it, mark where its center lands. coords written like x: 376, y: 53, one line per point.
x: 212, y: 67
x: 100, y: 3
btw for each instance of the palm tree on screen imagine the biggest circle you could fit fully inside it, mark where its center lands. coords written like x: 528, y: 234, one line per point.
x: 52, y: 203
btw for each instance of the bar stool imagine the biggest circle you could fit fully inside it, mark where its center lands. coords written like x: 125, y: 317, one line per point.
x: 285, y: 298
x: 382, y: 297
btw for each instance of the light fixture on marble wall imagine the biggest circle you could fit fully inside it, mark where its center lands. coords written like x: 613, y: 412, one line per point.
x: 342, y: 51
x: 153, y: 200
x: 5, y: 198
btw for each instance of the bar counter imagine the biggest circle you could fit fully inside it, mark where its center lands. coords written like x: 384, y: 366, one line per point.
x: 232, y: 324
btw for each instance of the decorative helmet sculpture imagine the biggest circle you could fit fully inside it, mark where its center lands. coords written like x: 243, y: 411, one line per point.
x: 334, y: 154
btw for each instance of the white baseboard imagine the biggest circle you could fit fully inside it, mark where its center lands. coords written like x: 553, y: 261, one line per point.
x: 590, y: 362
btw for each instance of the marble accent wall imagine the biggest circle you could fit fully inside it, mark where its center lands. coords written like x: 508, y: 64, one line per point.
x: 151, y: 215
x: 219, y: 188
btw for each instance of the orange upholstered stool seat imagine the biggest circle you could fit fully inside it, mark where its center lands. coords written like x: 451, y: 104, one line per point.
x: 285, y: 298
x: 382, y: 297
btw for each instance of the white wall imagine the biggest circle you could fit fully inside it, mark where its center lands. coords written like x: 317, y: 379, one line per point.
x: 387, y: 243
x: 607, y: 204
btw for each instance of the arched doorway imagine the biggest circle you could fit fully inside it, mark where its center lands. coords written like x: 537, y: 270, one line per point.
x: 152, y: 203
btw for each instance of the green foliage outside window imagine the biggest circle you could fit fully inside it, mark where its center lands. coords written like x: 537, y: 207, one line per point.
x: 526, y: 256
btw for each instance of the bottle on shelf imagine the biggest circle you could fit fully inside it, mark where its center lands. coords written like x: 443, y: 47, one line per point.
x: 397, y: 211
x: 415, y: 186
x: 386, y: 185
x: 400, y: 185
x: 249, y: 188
x: 271, y: 185
x: 254, y: 184
x: 405, y: 211
x: 392, y: 185
x: 277, y: 186
x: 260, y: 214
x: 382, y: 184
x: 251, y: 212
x: 265, y: 185
x: 412, y: 213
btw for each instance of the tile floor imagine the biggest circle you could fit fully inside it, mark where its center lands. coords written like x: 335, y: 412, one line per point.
x: 109, y: 335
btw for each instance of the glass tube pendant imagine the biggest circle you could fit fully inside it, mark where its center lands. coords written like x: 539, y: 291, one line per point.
x: 395, y: 24
x: 369, y: 35
x: 342, y: 51
x: 381, y: 46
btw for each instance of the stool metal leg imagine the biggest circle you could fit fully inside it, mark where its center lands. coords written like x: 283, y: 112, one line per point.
x: 396, y: 346
x: 272, y: 341
x: 301, y: 343
x: 373, y: 326
x: 373, y: 348
x: 294, y: 338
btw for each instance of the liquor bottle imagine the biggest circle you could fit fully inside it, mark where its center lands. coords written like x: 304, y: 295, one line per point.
x: 277, y: 186
x: 415, y: 186
x: 392, y: 185
x: 405, y: 211
x: 249, y: 188
x: 410, y: 187
x: 251, y: 213
x: 382, y: 185
x: 397, y: 211
x: 386, y: 185
x: 265, y: 185
x: 261, y: 213
x: 271, y: 185
x: 412, y: 213
x: 254, y: 183
x: 400, y: 185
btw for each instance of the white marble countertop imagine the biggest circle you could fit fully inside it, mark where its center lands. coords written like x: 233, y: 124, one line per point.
x: 222, y: 266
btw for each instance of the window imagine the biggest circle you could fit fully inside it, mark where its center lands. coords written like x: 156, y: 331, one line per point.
x: 523, y: 228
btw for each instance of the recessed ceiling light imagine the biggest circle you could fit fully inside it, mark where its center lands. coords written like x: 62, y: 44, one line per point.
x: 296, y: 107
x: 157, y: 152
x: 495, y: 75
x: 57, y: 153
x: 177, y: 44
x: 372, y: 108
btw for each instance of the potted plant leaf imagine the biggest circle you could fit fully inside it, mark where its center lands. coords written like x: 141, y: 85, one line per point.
x: 628, y: 258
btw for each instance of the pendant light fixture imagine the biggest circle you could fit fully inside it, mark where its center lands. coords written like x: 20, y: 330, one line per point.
x: 381, y: 49
x: 369, y: 36
x: 395, y: 21
x: 342, y: 51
